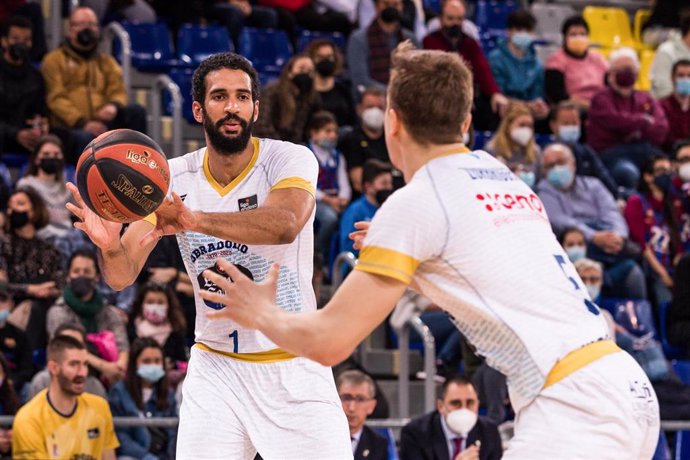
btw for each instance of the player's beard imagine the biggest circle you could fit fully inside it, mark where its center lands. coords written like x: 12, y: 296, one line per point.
x: 67, y: 384
x: 228, y: 145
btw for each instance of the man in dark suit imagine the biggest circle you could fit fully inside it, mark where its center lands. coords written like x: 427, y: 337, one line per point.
x: 454, y: 431
x: 357, y: 394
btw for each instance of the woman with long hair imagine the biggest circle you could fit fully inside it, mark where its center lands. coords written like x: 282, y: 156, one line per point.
x: 9, y: 404
x: 145, y: 393
x: 288, y: 103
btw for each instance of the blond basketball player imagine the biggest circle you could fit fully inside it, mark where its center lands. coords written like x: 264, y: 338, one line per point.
x: 472, y: 237
x: 250, y: 203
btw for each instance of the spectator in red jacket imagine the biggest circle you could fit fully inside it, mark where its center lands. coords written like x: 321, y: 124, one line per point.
x: 677, y: 105
x: 307, y: 15
x: 625, y: 126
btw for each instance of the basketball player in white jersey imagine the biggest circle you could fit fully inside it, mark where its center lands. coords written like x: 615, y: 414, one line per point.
x: 249, y: 202
x: 472, y: 237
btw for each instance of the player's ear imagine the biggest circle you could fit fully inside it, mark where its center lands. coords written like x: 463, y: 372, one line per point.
x: 198, y: 112
x: 467, y: 124
x: 256, y: 110
x: 392, y: 122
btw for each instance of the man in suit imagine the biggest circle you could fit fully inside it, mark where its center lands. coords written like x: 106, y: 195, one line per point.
x: 357, y: 394
x: 454, y: 431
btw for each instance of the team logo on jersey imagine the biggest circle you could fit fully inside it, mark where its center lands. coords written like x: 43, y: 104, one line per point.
x: 250, y: 202
x: 182, y: 197
x: 93, y: 433
x: 208, y: 285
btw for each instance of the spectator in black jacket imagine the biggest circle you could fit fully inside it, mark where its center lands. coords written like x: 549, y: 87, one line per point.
x: 13, y: 344
x: 678, y: 316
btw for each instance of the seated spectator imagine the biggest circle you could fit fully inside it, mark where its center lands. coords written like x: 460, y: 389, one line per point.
x: 358, y: 396
x: 678, y: 315
x: 137, y: 11
x: 454, y: 430
x: 514, y: 144
x: 676, y: 48
x: 157, y: 314
x: 377, y: 185
x: 574, y: 72
x: 34, y: 13
x: 584, y: 203
x: 14, y: 346
x: 624, y: 125
x: 664, y: 21
x: 236, y: 14
x: 288, y: 103
x: 54, y: 420
x: 516, y: 67
x: 469, y: 28
x: 451, y: 37
x: 85, y: 89
x: 309, y: 15
x: 333, y: 191
x: 653, y: 217
x: 366, y: 140
x: 46, y: 174
x: 566, y: 125
x: 81, y: 302
x: 681, y: 157
x: 92, y: 384
x: 592, y: 275
x: 369, y: 50
x: 676, y: 105
x: 335, y: 92
x: 145, y: 393
x: 9, y: 405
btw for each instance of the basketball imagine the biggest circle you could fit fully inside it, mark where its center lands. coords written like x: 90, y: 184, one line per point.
x: 123, y: 175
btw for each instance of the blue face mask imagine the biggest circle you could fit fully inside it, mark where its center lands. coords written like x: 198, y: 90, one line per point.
x: 151, y: 372
x: 560, y: 177
x: 4, y: 314
x: 683, y: 86
x: 576, y: 253
x: 569, y: 134
x: 326, y: 144
x: 527, y: 177
x: 522, y: 40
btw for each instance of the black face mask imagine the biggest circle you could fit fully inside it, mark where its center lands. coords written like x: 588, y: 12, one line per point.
x: 303, y: 82
x: 453, y: 31
x: 390, y: 15
x: 382, y: 195
x: 663, y: 181
x: 325, y: 68
x: 18, y: 219
x: 51, y: 165
x: 81, y: 286
x: 18, y: 51
x: 87, y: 38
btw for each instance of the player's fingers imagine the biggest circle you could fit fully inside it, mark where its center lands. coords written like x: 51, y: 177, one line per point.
x: 75, y: 193
x: 362, y: 225
x: 219, y: 280
x: 76, y: 210
x: 214, y: 297
x: 272, y: 276
x: 233, y: 272
x: 150, y: 237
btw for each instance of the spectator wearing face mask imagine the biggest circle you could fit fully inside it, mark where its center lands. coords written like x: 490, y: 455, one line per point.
x: 575, y: 72
x: 454, y: 431
x: 377, y: 185
x: 145, y: 393
x: 335, y: 91
x: 516, y: 67
x: 677, y: 104
x: 676, y: 48
x: 82, y: 302
x: 46, y: 175
x: 566, y: 125
x: 288, y: 103
x: 681, y: 159
x: 514, y: 144
x: 624, y: 125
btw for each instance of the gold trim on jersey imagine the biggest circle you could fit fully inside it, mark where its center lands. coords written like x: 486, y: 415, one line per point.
x: 454, y: 152
x: 387, y: 262
x: 295, y: 182
x: 228, y: 188
x: 268, y: 356
x: 577, y: 359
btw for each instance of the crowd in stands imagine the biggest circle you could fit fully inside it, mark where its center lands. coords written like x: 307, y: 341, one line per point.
x: 609, y: 162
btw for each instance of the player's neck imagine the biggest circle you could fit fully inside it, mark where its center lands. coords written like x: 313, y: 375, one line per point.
x: 416, y: 156
x: 225, y: 168
x: 60, y: 401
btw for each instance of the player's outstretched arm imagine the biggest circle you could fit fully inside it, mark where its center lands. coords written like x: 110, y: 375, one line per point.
x: 121, y: 258
x: 328, y: 335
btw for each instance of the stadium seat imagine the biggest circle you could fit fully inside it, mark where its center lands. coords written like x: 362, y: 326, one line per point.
x: 550, y: 17
x: 671, y: 351
x: 634, y: 315
x: 433, y: 5
x: 641, y: 17
x: 488, y: 43
x: 481, y: 138
x: 307, y: 36
x: 491, y: 16
x: 390, y: 437
x: 39, y: 358
x: 182, y: 78
x: 682, y: 368
x: 152, y: 47
x: 544, y: 139
x: 14, y: 160
x: 5, y: 175
x: 269, y: 50
x: 197, y: 42
x: 609, y: 27
x: 644, y: 82
x: 682, y: 450
x: 662, y: 451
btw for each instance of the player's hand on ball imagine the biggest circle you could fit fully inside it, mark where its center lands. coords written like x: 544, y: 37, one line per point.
x: 104, y: 233
x: 358, y: 235
x: 244, y: 299
x: 172, y: 217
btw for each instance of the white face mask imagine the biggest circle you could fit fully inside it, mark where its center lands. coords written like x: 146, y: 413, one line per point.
x: 155, y: 312
x: 522, y: 135
x: 684, y: 172
x: 372, y: 118
x: 461, y: 421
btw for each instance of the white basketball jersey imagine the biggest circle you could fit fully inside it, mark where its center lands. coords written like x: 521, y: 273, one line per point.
x: 477, y: 241
x: 274, y: 165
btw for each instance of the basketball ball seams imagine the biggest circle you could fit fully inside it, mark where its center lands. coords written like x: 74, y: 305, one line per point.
x: 130, y: 186
x: 83, y: 167
x: 125, y: 136
x: 106, y: 206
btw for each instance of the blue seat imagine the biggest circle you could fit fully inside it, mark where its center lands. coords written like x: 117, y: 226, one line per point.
x: 682, y: 445
x: 488, y: 43
x: 388, y: 434
x: 671, y: 351
x: 307, y: 36
x: 39, y: 358
x: 662, y: 451
x: 5, y: 175
x: 152, y: 47
x: 491, y: 16
x: 433, y: 5
x: 682, y: 368
x: 182, y: 78
x: 634, y: 315
x: 480, y: 139
x: 544, y: 139
x: 197, y: 42
x: 14, y: 160
x: 269, y: 50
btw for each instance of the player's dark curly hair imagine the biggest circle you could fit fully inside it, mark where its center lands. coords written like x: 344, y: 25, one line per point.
x: 219, y: 61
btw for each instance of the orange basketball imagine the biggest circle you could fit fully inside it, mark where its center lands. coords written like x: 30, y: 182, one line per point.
x: 123, y: 175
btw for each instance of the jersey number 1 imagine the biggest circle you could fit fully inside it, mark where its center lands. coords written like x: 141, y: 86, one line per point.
x: 591, y: 306
x: 235, y: 344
